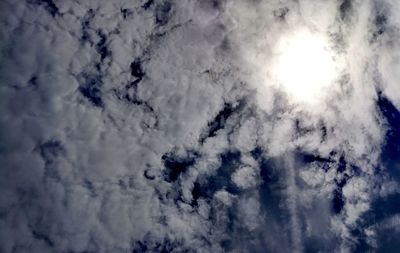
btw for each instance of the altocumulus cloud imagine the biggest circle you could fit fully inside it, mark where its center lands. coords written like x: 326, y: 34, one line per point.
x: 150, y: 126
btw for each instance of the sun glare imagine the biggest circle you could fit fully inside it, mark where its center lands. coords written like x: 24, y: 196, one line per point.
x: 304, y: 66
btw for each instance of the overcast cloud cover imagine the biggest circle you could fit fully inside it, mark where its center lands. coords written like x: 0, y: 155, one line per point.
x: 150, y: 126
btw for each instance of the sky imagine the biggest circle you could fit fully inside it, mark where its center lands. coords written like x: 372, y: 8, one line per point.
x: 199, y: 126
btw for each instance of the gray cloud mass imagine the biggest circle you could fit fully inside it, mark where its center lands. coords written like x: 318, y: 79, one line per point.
x: 150, y: 126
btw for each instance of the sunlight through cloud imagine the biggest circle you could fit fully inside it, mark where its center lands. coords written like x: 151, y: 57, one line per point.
x: 304, y: 66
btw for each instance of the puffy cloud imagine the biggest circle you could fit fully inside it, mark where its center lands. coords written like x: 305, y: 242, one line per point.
x: 245, y: 177
x: 155, y: 126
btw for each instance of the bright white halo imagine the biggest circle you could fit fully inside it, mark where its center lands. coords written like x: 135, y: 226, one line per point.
x: 304, y: 66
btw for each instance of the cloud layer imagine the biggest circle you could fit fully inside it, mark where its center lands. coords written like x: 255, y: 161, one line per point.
x: 152, y: 126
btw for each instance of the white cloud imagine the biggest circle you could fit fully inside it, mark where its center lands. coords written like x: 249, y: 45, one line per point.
x: 83, y: 169
x: 245, y: 177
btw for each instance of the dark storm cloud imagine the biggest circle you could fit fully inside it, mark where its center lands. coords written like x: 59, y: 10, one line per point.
x: 149, y: 126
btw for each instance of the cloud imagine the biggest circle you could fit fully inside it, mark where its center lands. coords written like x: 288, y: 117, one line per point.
x: 245, y: 177
x: 153, y: 126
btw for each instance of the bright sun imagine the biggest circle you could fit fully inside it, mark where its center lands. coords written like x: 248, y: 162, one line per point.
x: 304, y: 66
